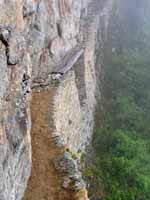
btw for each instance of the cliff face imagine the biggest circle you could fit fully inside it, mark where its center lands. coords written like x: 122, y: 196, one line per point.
x: 48, y: 79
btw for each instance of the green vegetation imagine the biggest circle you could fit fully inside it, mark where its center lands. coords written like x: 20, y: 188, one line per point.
x: 121, y: 144
x: 120, y: 167
x: 73, y: 155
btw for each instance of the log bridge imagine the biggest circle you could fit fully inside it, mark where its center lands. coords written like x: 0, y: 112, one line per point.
x: 68, y: 61
x: 62, y: 68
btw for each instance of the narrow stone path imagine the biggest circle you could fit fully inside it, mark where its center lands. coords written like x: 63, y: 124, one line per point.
x: 45, y: 182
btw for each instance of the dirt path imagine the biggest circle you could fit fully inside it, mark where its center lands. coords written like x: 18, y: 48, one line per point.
x: 45, y: 182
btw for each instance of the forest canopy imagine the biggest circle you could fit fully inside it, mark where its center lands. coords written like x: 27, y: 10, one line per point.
x: 120, y: 168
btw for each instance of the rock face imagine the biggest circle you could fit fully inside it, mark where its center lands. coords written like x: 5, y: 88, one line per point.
x: 38, y: 38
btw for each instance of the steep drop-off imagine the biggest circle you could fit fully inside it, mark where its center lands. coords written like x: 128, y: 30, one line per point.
x: 48, y: 80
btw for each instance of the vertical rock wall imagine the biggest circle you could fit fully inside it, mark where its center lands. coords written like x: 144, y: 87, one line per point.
x: 37, y: 36
x: 15, y: 123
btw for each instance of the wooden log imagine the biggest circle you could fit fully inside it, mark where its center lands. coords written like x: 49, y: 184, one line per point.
x: 69, y: 63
